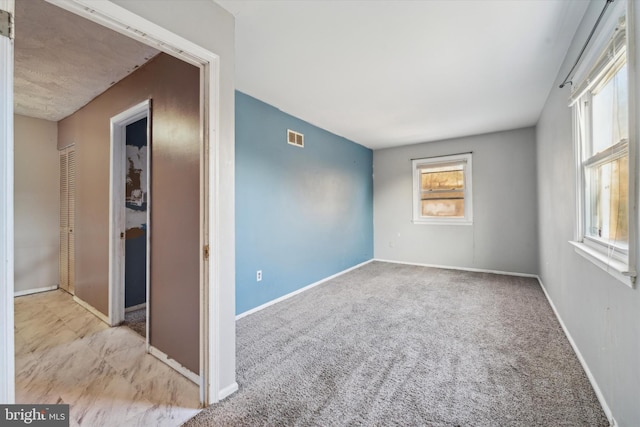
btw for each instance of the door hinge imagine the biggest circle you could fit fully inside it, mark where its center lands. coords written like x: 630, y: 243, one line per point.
x: 6, y: 24
x: 205, y: 252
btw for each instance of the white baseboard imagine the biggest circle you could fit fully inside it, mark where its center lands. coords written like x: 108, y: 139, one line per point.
x: 172, y: 363
x: 296, y: 292
x: 135, y: 307
x: 91, y: 309
x: 34, y: 291
x: 450, y: 267
x: 228, y: 391
x: 592, y: 380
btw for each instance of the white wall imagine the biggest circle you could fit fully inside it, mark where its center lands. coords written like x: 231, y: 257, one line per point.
x: 601, y: 314
x: 36, y: 203
x: 504, y: 232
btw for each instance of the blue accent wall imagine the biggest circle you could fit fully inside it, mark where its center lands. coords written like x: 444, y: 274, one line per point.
x: 302, y: 214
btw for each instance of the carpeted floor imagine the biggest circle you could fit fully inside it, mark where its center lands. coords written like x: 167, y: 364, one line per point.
x: 137, y: 321
x: 391, y: 344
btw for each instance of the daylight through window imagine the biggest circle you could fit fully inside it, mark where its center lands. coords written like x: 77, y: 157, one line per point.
x: 601, y: 107
x: 603, y: 117
x: 442, y: 189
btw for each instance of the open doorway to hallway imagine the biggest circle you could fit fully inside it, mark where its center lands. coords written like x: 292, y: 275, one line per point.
x: 136, y: 219
x: 177, y: 179
x: 130, y: 215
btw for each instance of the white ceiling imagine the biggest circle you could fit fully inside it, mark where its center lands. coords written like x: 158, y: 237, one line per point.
x: 388, y: 73
x: 63, y: 61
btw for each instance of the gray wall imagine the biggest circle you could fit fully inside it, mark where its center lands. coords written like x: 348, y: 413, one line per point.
x: 504, y: 232
x: 601, y: 314
x: 36, y: 203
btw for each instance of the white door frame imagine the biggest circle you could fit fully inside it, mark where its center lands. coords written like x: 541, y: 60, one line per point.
x: 125, y: 22
x: 7, y: 358
x: 117, y: 211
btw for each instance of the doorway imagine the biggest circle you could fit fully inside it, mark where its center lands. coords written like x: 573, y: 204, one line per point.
x: 216, y: 315
x: 137, y: 212
x: 136, y: 217
x: 130, y: 213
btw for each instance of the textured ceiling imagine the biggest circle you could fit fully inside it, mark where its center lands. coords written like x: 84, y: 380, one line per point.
x: 386, y: 73
x: 63, y: 61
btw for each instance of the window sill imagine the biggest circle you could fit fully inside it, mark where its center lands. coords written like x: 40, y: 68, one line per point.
x: 441, y: 222
x: 614, y: 267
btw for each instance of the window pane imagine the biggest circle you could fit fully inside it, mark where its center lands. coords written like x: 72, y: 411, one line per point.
x: 610, y: 112
x: 442, y: 191
x: 453, y: 208
x: 445, y: 180
x: 609, y: 202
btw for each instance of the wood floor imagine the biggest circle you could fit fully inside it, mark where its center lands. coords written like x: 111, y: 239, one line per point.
x: 64, y: 354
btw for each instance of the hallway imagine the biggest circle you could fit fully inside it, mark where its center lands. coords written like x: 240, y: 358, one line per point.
x: 64, y: 354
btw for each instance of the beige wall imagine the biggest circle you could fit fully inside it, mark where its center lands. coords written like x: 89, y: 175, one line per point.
x: 173, y: 87
x: 36, y: 203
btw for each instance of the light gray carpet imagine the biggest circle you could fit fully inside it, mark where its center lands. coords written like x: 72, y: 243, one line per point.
x: 392, y: 344
x: 137, y: 320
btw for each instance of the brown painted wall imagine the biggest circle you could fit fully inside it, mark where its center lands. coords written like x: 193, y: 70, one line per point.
x: 173, y: 87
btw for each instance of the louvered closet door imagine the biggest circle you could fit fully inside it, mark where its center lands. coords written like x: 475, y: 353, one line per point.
x: 67, y: 219
x: 71, y: 213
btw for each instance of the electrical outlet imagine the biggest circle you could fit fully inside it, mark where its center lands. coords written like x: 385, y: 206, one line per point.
x: 259, y: 276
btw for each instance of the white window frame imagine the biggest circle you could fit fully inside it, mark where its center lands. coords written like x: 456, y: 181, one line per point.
x: 417, y: 164
x: 618, y: 262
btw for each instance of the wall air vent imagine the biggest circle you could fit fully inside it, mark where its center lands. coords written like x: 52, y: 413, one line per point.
x: 295, y: 138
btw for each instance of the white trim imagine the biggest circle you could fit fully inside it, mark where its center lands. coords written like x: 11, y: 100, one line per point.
x: 112, y: 16
x: 117, y: 211
x: 91, y: 309
x: 210, y: 309
x: 296, y: 292
x: 613, y: 266
x: 634, y: 123
x: 7, y: 357
x: 174, y: 364
x: 583, y: 362
x: 228, y: 391
x: 135, y: 307
x: 442, y: 221
x: 204, y: 272
x: 449, y: 267
x: 34, y: 291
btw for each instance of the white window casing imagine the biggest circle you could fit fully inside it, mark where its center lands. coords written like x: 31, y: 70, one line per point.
x: 610, y: 52
x: 454, y: 162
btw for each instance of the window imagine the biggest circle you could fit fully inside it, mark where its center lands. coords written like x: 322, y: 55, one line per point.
x: 606, y: 162
x: 601, y: 109
x: 442, y: 190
